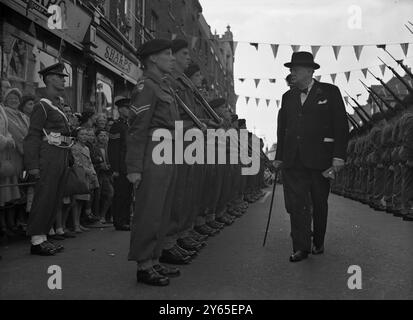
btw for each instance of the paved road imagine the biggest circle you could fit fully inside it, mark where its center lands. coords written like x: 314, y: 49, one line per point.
x: 234, y: 265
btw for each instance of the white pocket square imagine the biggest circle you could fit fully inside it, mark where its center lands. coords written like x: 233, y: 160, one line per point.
x: 328, y: 140
x: 322, y: 102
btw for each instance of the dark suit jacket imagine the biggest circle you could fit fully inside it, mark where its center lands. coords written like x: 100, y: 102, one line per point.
x: 304, y: 128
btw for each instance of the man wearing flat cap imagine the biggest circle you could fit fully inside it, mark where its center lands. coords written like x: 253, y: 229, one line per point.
x: 312, y: 137
x: 46, y: 154
x: 116, y: 153
x: 153, y: 108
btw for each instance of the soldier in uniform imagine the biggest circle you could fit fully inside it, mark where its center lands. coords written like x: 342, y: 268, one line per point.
x: 116, y: 152
x: 153, y: 108
x: 46, y: 157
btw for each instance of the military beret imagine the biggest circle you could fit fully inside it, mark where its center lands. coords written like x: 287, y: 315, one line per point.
x: 192, y: 69
x: 152, y: 47
x: 234, y: 117
x: 216, y: 103
x: 242, y: 123
x: 57, y: 69
x: 179, y: 44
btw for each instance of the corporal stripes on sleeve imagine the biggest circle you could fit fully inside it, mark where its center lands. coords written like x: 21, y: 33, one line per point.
x: 139, y: 110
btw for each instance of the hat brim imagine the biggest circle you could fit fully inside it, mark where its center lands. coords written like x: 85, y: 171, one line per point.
x: 314, y: 65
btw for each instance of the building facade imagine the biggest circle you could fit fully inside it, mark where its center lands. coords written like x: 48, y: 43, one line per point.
x: 97, y: 40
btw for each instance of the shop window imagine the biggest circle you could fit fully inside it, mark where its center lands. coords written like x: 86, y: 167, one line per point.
x: 104, y: 95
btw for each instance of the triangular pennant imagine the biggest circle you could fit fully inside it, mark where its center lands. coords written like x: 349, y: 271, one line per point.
x: 314, y: 50
x: 295, y: 47
x: 273, y: 80
x: 336, y: 50
x: 347, y: 74
x: 247, y: 99
x: 405, y: 47
x: 235, y: 45
x: 333, y: 77
x: 381, y: 46
x: 346, y: 99
x: 274, y: 48
x: 257, y: 82
x: 357, y: 51
x: 241, y: 79
x: 254, y: 44
x: 364, y: 70
x: 236, y: 98
x: 383, y: 69
x: 257, y: 100
x: 318, y: 78
x: 278, y: 103
x: 193, y: 43
x: 268, y: 102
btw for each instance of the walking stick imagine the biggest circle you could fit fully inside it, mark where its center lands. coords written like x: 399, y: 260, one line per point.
x: 271, y: 205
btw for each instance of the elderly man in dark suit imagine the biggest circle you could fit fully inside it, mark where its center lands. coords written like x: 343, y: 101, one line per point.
x: 312, y: 143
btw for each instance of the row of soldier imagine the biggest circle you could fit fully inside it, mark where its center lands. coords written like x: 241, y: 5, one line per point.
x: 176, y: 207
x: 379, y: 168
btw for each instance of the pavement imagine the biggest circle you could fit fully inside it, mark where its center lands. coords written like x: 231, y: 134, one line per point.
x: 234, y: 265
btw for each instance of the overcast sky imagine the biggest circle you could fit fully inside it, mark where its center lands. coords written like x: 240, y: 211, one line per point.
x: 306, y: 22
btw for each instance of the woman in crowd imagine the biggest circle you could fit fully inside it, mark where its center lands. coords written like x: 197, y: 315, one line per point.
x: 81, y: 155
x: 8, y: 174
x: 101, y: 121
x: 104, y: 199
x: 27, y: 104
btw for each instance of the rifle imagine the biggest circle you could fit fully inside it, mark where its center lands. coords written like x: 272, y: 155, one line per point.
x: 388, y: 89
x: 399, y: 62
x: 360, y: 107
x: 360, y: 115
x: 388, y: 106
x: 409, y: 88
x: 188, y: 111
x: 352, y: 121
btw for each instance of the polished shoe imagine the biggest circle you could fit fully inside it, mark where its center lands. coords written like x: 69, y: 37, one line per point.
x: 205, y: 230
x: 185, y: 252
x: 189, y: 244
x: 173, y: 256
x: 298, y: 256
x: 151, y: 277
x: 197, y: 236
x: 125, y: 227
x: 167, y: 271
x: 408, y: 217
x: 215, y: 224
x: 57, y: 237
x: 42, y: 249
x: 235, y: 213
x: 225, y: 220
x: 317, y: 250
x: 57, y: 247
x: 69, y: 234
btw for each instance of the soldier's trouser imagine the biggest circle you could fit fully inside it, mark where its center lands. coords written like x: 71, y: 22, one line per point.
x: 378, y: 189
x: 301, y: 187
x: 122, y: 199
x: 197, y: 184
x: 407, y: 191
x: 370, y: 183
x: 397, y: 187
x: 226, y: 183
x: 388, y: 186
x: 218, y: 185
x: 48, y: 193
x: 153, y: 210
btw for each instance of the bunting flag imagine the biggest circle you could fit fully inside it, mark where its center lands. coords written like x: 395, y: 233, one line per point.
x: 405, y: 47
x: 314, y: 50
x: 194, y: 40
x: 268, y: 102
x: 383, y: 69
x: 346, y: 99
x: 318, y: 78
x: 364, y: 70
x: 347, y: 74
x: 236, y: 99
x: 274, y: 48
x: 278, y: 103
x: 241, y: 79
x: 174, y: 35
x: 333, y: 77
x: 235, y: 45
x: 257, y: 82
x: 336, y: 50
x: 273, y: 80
x: 254, y: 44
x: 295, y: 47
x: 357, y: 51
x: 247, y: 99
x: 381, y: 46
x: 257, y: 100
